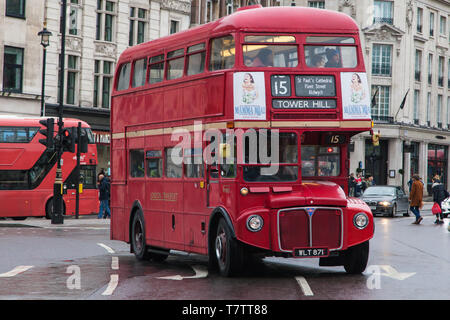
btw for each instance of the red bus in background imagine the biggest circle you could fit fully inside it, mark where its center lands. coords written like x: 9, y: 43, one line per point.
x: 28, y: 170
x: 291, y: 72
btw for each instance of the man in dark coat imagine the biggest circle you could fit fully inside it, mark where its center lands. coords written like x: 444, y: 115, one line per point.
x: 103, y: 187
x: 439, y: 195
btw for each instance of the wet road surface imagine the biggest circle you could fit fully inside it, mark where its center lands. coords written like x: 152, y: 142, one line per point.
x: 78, y: 261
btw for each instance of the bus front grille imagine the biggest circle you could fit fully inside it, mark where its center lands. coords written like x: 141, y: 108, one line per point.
x: 312, y: 227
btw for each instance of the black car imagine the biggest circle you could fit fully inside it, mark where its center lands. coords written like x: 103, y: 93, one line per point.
x: 386, y: 200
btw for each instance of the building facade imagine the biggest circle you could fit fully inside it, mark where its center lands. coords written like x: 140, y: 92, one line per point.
x: 406, y: 50
x: 97, y: 32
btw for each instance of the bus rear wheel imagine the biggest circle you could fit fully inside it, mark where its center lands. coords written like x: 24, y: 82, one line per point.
x: 228, y: 252
x: 355, y: 258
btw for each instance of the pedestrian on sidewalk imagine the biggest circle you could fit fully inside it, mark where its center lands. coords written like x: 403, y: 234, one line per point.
x: 416, y: 197
x: 104, y: 188
x: 439, y: 195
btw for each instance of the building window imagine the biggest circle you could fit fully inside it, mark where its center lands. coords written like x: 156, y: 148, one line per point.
x: 174, y: 26
x: 437, y: 164
x: 381, y: 59
x: 15, y: 8
x: 230, y: 8
x: 419, y: 20
x: 417, y: 65
x: 381, y: 110
x: 74, y: 18
x: 209, y: 11
x: 138, y: 25
x: 13, y: 69
x: 441, y: 72
x: 439, y: 111
x: 106, y: 13
x: 428, y: 108
x: 430, y: 68
x: 72, y: 79
x: 383, y: 12
x: 443, y: 25
x: 448, y: 112
x: 103, y: 73
x: 416, y: 106
x: 316, y: 4
x: 448, y: 74
x: 431, y: 24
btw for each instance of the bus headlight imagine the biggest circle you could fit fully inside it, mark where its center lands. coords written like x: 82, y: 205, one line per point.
x: 244, y: 191
x: 360, y: 220
x: 255, y: 223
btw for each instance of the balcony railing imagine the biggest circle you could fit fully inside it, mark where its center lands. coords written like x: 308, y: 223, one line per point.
x: 383, y: 20
x: 382, y: 119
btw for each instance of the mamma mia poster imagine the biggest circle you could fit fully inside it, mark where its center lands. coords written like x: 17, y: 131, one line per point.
x: 355, y: 95
x: 249, y: 96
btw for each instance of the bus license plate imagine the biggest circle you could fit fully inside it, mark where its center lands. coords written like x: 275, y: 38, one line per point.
x: 310, y: 252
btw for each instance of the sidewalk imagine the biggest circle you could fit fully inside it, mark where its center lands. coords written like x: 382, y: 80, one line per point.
x: 85, y: 221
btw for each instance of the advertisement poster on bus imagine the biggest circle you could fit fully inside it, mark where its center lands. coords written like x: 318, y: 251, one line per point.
x: 355, y: 95
x: 249, y: 96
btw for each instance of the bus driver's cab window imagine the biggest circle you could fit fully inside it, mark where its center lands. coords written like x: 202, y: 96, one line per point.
x: 222, y: 53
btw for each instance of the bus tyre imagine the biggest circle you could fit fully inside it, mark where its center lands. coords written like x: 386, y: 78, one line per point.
x: 355, y: 258
x: 138, y: 245
x: 49, y: 208
x: 229, y: 254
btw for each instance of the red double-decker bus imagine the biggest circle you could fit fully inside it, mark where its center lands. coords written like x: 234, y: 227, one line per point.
x: 28, y: 170
x: 289, y: 73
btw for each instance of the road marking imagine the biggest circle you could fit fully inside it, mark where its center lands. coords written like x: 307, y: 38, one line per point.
x: 106, y: 247
x: 15, y: 271
x: 200, y: 272
x: 304, y: 286
x: 112, y: 285
x: 390, y: 272
x: 115, y: 263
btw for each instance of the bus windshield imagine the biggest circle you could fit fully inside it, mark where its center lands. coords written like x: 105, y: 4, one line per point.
x: 282, y: 168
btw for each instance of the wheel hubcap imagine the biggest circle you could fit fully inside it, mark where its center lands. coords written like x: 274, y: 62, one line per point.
x: 221, y: 247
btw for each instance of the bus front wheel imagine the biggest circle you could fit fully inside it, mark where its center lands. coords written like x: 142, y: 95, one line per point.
x: 355, y: 258
x: 228, y: 252
x: 138, y: 245
x: 49, y: 209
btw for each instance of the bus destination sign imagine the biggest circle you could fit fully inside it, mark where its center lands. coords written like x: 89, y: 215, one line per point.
x: 304, y: 104
x: 314, y: 86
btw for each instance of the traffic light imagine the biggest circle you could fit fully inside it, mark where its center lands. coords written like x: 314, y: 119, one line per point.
x: 68, y: 141
x: 82, y: 142
x: 47, y: 132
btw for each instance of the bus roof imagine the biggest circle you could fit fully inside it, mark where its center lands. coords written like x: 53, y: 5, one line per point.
x: 18, y: 120
x: 255, y: 19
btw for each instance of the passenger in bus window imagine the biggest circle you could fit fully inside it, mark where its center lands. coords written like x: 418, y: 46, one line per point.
x: 318, y: 61
x: 333, y: 58
x: 264, y: 58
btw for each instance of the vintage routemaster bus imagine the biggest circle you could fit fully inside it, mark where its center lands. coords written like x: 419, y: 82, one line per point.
x: 290, y: 73
x: 28, y: 170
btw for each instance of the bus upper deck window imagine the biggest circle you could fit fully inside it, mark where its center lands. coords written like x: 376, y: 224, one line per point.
x: 261, y: 51
x: 139, y: 70
x: 175, y: 65
x: 222, y: 53
x: 124, y: 77
x: 156, y: 66
x: 326, y: 56
x: 196, y: 59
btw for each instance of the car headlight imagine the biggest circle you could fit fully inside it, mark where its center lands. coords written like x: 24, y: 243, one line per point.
x: 255, y: 223
x: 360, y: 220
x: 384, y: 203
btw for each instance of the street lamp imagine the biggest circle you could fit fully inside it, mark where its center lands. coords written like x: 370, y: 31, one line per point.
x: 45, y: 42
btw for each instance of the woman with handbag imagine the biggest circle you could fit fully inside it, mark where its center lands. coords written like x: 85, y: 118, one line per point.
x: 439, y: 195
x: 415, y: 197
